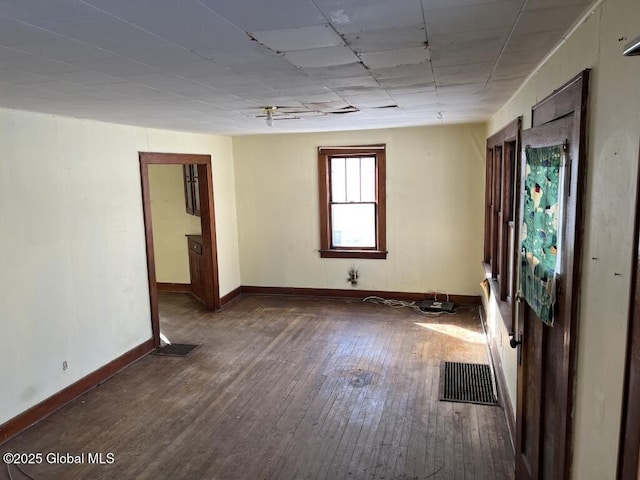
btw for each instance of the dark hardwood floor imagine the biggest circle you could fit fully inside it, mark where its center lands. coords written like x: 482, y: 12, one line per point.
x: 284, y: 388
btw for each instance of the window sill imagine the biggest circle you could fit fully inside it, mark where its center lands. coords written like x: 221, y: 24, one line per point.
x: 503, y: 307
x: 375, y: 254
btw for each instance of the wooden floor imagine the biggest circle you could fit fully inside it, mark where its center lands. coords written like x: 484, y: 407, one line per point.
x: 285, y: 388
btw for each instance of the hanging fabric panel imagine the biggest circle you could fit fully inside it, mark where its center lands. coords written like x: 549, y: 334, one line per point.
x: 541, y: 228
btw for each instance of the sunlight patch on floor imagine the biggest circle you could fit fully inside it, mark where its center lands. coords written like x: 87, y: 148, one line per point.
x: 455, y: 331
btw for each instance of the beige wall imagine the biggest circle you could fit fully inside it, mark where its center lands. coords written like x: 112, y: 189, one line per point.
x: 73, y: 285
x: 171, y: 223
x: 434, y: 210
x: 614, y: 131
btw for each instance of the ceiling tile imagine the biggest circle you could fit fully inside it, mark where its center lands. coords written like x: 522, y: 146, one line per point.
x: 85, y: 77
x: 389, y: 39
x: 537, y: 4
x: 117, y: 66
x: 548, y: 20
x: 362, y: 15
x: 14, y: 32
x: 252, y: 16
x: 246, y: 53
x: 411, y: 89
x: 302, y: 38
x: 394, y: 58
x: 105, y: 32
x: 468, y: 47
x: 186, y: 23
x: 277, y: 65
x: 467, y: 19
x: 158, y: 53
x: 414, y: 81
x: 16, y: 77
x: 36, y: 65
x: 201, y: 70
x: 423, y: 69
x: 531, y: 44
x: 338, y: 71
x: 362, y: 81
x: 48, y: 13
x: 321, y: 57
x: 438, y: 4
x: 322, y: 97
x: 379, y: 98
x: 463, y: 74
x: 510, y: 71
x: 64, y: 50
x: 7, y: 52
x: 172, y: 84
x: 415, y: 99
x: 67, y: 88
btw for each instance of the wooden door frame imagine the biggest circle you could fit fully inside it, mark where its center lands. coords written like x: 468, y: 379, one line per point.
x: 569, y: 99
x: 207, y: 219
x: 629, y: 443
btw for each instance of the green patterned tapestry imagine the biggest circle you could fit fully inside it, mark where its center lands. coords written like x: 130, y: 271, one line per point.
x: 540, y: 239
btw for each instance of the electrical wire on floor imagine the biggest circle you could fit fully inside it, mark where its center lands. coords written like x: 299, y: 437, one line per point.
x: 389, y: 302
x: 21, y: 470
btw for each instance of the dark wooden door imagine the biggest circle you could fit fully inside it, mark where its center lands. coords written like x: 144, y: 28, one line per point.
x: 544, y: 379
x: 629, y: 447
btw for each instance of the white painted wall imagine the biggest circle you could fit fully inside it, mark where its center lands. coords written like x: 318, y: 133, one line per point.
x: 435, y: 210
x: 612, y: 158
x: 171, y: 223
x: 73, y: 282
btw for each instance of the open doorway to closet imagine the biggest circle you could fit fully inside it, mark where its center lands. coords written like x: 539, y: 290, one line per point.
x: 207, y: 269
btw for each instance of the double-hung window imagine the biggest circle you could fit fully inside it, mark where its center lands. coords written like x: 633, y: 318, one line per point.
x: 501, y: 202
x: 352, y: 201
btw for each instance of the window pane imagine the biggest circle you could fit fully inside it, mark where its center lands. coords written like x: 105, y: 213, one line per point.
x: 338, y: 192
x: 353, y: 225
x: 368, y: 179
x: 353, y: 179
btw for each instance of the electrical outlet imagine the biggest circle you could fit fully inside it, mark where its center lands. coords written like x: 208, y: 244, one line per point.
x: 65, y: 365
x: 353, y: 276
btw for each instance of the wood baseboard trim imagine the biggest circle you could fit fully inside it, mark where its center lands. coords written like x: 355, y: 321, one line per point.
x: 503, y: 393
x: 343, y: 293
x: 45, y: 408
x: 174, y: 287
x: 231, y: 296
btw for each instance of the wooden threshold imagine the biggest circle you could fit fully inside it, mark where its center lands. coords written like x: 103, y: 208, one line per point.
x: 174, y: 287
x: 45, y: 408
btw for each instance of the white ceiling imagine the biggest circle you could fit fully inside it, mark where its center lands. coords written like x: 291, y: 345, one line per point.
x: 210, y: 65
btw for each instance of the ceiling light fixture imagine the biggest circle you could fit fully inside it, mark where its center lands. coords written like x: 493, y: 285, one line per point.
x: 269, y: 112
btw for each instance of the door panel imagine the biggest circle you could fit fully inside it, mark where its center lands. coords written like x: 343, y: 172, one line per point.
x: 542, y: 413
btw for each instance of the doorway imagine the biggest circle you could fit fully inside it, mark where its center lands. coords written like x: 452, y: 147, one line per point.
x: 210, y: 293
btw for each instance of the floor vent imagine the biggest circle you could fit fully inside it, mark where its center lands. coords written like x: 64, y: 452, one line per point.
x: 466, y: 382
x: 175, y: 350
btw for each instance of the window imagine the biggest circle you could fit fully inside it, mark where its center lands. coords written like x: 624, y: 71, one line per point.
x: 352, y: 202
x: 500, y: 206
